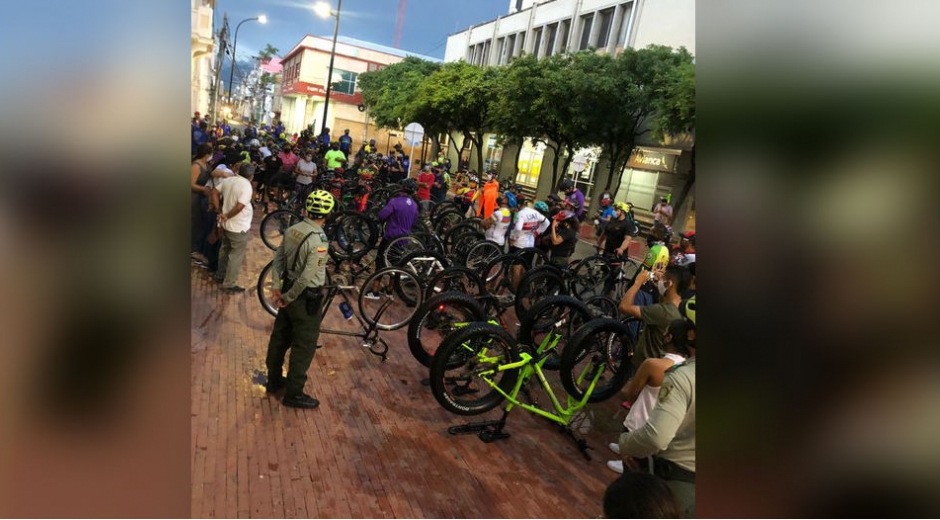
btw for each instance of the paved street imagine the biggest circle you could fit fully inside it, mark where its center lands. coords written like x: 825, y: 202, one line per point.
x: 377, y: 446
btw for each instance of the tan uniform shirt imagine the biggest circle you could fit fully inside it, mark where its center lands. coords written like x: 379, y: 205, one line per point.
x: 310, y: 270
x: 670, y: 431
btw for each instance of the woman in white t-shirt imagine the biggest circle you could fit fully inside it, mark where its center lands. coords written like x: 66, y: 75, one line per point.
x: 643, y: 389
x: 498, y: 224
x: 305, y: 171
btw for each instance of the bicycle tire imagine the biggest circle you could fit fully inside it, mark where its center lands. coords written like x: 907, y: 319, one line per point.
x: 274, y: 225
x: 440, y: 208
x: 446, y: 220
x: 398, y: 248
x: 348, y: 239
x: 562, y: 315
x: 589, y: 277
x: 264, y: 287
x: 454, y: 278
x: 480, y: 254
x: 459, y: 357
x: 537, y: 284
x: 436, y: 314
x: 462, y: 248
x: 592, y: 350
x: 392, y: 282
x: 603, y: 307
x: 455, y: 234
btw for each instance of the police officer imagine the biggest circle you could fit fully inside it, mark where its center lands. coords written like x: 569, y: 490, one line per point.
x: 669, y: 434
x: 299, y: 271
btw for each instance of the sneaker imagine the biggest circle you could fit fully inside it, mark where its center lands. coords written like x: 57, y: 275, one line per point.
x: 616, y: 465
x: 372, y: 295
x: 614, y: 447
x: 300, y: 401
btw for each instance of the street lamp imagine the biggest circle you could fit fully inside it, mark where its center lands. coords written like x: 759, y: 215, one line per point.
x: 261, y: 19
x: 324, y: 10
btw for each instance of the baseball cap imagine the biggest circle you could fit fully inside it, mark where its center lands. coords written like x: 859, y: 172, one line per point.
x: 688, y: 234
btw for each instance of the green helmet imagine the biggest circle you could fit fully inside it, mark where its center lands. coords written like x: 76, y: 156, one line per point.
x: 657, y: 257
x: 687, y: 309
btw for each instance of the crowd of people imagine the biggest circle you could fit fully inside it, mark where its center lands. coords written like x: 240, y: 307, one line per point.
x: 232, y: 173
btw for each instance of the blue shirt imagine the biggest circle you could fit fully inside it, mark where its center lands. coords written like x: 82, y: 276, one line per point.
x: 345, y: 143
x: 608, y: 212
x: 325, y: 139
x: 400, y: 215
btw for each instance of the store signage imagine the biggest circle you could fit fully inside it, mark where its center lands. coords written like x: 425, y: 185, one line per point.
x: 312, y: 89
x: 644, y: 159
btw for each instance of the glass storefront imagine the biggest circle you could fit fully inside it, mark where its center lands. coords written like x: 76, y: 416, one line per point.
x: 530, y: 164
x: 493, y: 154
x: 638, y: 187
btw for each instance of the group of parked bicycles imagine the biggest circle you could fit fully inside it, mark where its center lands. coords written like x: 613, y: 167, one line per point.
x: 459, y: 295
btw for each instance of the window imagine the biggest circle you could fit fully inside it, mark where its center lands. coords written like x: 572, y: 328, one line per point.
x: 510, y: 47
x: 494, y: 154
x: 586, y: 22
x: 485, y: 57
x: 538, y: 42
x: 522, y: 42
x: 500, y: 50
x: 347, y: 83
x: 563, y: 30
x: 552, y: 33
x: 372, y: 67
x: 624, y: 25
x: 603, y: 33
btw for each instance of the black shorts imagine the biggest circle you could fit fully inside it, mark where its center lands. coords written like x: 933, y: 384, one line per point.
x: 527, y: 255
x: 281, y: 179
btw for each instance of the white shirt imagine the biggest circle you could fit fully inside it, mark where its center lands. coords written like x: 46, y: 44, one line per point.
x: 645, y: 402
x: 234, y: 190
x: 502, y: 218
x: 307, y: 171
x: 529, y: 222
x: 264, y: 152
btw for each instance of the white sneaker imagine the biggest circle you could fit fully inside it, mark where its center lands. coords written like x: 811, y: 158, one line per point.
x: 614, y: 447
x: 372, y: 295
x: 616, y: 465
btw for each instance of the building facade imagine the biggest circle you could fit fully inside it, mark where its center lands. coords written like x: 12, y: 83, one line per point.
x: 547, y: 27
x: 303, y: 87
x: 203, y: 54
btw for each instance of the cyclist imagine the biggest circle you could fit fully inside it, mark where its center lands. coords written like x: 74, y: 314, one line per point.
x: 299, y: 270
x: 334, y: 158
x: 305, y: 172
x: 425, y: 183
x: 575, y: 197
x: 616, y: 236
x: 399, y: 214
x: 498, y: 224
x: 564, y: 237
x: 530, y: 221
x: 642, y: 392
x: 488, y: 198
x: 345, y: 143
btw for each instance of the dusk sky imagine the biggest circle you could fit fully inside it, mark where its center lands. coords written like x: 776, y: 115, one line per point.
x: 427, y: 22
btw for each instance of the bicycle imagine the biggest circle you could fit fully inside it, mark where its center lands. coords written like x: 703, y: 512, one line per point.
x: 487, y: 355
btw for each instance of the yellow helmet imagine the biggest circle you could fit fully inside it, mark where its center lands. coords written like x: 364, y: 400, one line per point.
x: 320, y: 202
x: 622, y: 206
x: 657, y: 257
x: 688, y: 309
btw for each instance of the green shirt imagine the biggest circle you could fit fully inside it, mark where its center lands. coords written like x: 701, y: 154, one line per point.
x: 333, y: 158
x: 656, y: 318
x: 670, y: 431
x: 310, y: 270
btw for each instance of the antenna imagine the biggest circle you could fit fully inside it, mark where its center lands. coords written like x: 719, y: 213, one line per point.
x: 399, y: 24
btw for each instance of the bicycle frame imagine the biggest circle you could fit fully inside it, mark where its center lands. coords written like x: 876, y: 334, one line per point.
x: 370, y: 333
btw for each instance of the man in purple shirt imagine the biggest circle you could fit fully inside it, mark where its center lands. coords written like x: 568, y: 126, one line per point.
x: 399, y: 215
x: 575, y: 197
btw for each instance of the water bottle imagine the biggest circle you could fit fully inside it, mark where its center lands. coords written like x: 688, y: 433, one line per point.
x: 346, y: 310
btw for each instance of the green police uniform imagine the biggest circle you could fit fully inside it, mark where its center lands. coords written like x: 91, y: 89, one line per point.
x: 297, y: 325
x: 669, y: 435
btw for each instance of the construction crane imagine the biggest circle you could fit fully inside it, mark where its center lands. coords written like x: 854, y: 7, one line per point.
x: 399, y: 24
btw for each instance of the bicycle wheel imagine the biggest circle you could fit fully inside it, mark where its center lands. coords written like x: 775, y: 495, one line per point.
x: 445, y: 221
x: 398, y: 248
x: 589, y: 278
x: 441, y: 207
x: 431, y: 242
x: 552, y: 321
x: 352, y: 235
x: 275, y: 224
x: 424, y: 265
x: 454, y: 278
x: 388, y: 299
x: 455, y: 235
x: 265, y: 288
x: 481, y: 254
x: 597, y: 354
x: 537, y: 284
x: 437, y: 318
x: 465, y: 369
x: 602, y: 307
x: 467, y: 241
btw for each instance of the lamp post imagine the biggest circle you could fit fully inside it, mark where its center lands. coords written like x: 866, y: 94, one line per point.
x: 261, y: 19
x: 324, y: 10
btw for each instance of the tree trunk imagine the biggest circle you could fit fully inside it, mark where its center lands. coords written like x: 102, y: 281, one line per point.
x: 479, y: 145
x: 569, y: 156
x: 435, y: 146
x: 515, y: 165
x: 555, y: 160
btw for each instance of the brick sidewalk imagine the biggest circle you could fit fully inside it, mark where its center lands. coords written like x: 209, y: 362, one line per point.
x: 377, y: 446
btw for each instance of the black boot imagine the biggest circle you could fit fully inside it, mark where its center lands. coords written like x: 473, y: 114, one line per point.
x: 300, y: 401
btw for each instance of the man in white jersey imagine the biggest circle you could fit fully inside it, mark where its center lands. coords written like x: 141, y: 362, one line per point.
x: 529, y: 223
x: 498, y: 224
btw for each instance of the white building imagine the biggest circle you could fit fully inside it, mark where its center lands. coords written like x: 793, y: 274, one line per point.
x: 203, y: 54
x: 547, y: 27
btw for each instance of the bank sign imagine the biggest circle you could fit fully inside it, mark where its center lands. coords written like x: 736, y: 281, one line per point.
x: 646, y: 159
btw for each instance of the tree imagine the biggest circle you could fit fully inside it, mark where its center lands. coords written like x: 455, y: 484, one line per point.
x: 267, y: 53
x: 460, y: 96
x: 389, y: 94
x: 637, y: 92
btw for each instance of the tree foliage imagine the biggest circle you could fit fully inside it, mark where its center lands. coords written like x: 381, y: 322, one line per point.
x: 389, y: 93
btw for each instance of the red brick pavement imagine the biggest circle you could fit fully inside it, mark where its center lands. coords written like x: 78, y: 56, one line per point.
x: 377, y: 446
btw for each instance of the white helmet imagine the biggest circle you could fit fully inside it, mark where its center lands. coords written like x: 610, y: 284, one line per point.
x: 254, y: 143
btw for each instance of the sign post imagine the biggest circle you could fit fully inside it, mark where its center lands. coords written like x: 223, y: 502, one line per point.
x: 414, y: 134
